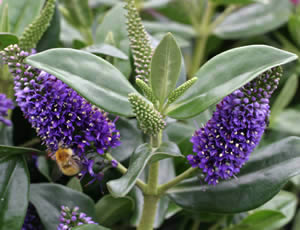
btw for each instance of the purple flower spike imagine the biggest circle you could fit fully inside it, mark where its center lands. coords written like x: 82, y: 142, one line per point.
x: 5, y: 105
x: 73, y: 218
x: 295, y: 2
x: 60, y: 116
x: 235, y: 129
x: 32, y: 220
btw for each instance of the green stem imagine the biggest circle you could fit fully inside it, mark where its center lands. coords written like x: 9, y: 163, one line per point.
x: 201, y: 41
x: 122, y: 169
x: 149, y: 212
x: 222, y: 16
x: 163, y: 188
x: 150, y: 196
x: 196, y: 225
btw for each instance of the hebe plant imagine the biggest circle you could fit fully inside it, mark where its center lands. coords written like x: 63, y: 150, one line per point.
x: 66, y: 95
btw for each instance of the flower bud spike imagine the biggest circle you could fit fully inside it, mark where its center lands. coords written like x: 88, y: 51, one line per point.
x: 38, y: 27
x: 225, y: 143
x: 139, y: 42
x: 150, y: 120
x: 146, y: 90
x: 181, y: 90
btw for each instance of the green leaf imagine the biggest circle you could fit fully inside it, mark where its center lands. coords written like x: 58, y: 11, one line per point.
x: 293, y: 25
x: 254, y: 20
x: 50, y: 39
x: 140, y: 158
x: 6, y: 135
x: 75, y: 184
x: 186, y: 31
x: 287, y: 121
x: 165, y: 68
x: 4, y: 23
x: 259, y: 180
x: 227, y: 2
x: 296, y: 224
x: 114, y: 22
x: 225, y: 73
x: 285, y: 96
x: 11, y: 150
x: 48, y: 199
x: 14, y: 191
x: 21, y: 13
x: 7, y: 39
x: 43, y: 167
x: 273, y: 215
x: 154, y: 4
x: 106, y: 50
x: 110, y: 210
x: 128, y: 129
x: 92, y: 77
x: 90, y: 227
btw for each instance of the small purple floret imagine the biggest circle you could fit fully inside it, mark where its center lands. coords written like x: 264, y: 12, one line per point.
x: 5, y: 105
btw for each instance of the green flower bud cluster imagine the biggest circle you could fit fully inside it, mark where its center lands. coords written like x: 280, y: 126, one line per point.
x: 139, y: 41
x: 181, y: 90
x: 150, y: 120
x: 37, y: 28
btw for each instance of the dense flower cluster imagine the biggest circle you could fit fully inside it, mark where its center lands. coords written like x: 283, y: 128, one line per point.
x: 70, y: 218
x: 5, y: 105
x: 225, y: 143
x: 32, y: 220
x: 61, y: 117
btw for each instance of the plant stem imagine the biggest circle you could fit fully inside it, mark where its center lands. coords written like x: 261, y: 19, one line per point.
x: 201, y: 41
x: 196, y: 225
x: 122, y: 169
x: 151, y: 198
x: 222, y: 16
x: 163, y: 188
x: 149, y: 212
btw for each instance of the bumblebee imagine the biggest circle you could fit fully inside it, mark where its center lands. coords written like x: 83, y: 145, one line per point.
x: 68, y: 163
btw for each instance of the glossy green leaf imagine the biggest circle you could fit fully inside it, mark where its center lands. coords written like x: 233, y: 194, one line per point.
x: 106, y: 50
x: 273, y: 215
x: 259, y: 180
x: 285, y: 96
x: 293, y: 25
x: 21, y: 13
x: 48, y: 199
x: 225, y: 73
x: 14, y: 191
x: 114, y: 22
x: 11, y: 150
x: 138, y: 161
x: 183, y: 30
x: 110, y: 210
x: 75, y: 184
x: 4, y: 22
x: 287, y: 121
x: 254, y: 20
x: 7, y: 39
x: 165, y: 68
x: 6, y: 135
x: 90, y: 227
x: 92, y: 77
x: 50, y: 38
x: 128, y: 129
x: 43, y: 167
x: 140, y: 158
x: 227, y: 2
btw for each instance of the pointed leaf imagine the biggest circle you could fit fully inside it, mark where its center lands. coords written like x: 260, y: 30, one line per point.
x: 48, y: 199
x: 106, y: 50
x: 10, y: 150
x: 110, y: 210
x: 7, y: 39
x: 14, y: 191
x: 254, y: 20
x: 165, y: 68
x: 166, y: 150
x: 92, y: 77
x: 225, y: 73
x: 261, y: 179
